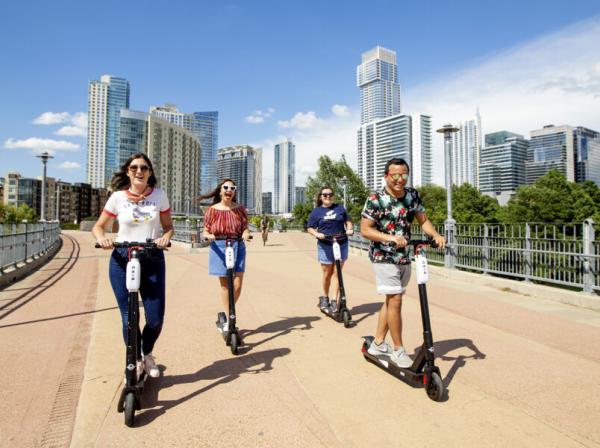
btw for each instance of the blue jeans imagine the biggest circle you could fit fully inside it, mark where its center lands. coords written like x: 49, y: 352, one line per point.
x: 152, y: 292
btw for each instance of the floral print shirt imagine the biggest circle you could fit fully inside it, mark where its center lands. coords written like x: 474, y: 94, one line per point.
x: 392, y: 216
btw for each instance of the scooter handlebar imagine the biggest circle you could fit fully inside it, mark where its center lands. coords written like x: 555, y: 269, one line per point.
x: 429, y: 242
x: 225, y: 238
x: 145, y: 245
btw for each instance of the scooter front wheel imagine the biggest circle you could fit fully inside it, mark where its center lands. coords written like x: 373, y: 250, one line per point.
x: 129, y: 409
x: 234, y: 343
x: 435, y: 387
x: 347, y: 318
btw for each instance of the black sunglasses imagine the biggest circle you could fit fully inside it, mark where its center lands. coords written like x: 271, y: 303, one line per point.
x: 142, y: 168
x: 327, y: 195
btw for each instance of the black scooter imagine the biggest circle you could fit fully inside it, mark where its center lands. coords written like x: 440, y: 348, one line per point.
x: 131, y: 394
x: 231, y: 336
x: 423, y: 371
x: 337, y: 308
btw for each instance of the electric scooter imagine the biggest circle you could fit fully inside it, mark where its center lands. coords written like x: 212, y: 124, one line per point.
x: 423, y: 371
x: 131, y: 394
x: 337, y: 308
x: 231, y: 335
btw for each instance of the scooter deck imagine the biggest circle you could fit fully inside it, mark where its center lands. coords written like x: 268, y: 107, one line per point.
x: 407, y: 375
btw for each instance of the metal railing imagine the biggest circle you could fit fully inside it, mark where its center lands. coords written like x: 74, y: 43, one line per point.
x: 21, y: 242
x: 187, y: 231
x: 562, y: 254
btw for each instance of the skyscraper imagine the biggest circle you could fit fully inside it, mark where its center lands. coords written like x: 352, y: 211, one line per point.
x: 133, y: 134
x: 205, y: 126
x: 587, y: 155
x: 106, y: 98
x: 399, y: 136
x: 551, y: 147
x: 284, y: 195
x: 502, y: 167
x: 377, y: 78
x: 243, y: 164
x: 466, y: 152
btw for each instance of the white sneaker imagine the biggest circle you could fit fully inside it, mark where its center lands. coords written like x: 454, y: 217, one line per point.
x: 400, y: 358
x: 380, y: 350
x: 150, y: 366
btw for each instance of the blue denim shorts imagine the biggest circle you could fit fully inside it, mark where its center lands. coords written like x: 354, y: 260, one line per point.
x: 325, y: 252
x: 216, y: 258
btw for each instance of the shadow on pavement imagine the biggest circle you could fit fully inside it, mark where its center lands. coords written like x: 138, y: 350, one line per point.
x: 223, y: 371
x: 368, y: 309
x: 277, y: 328
x: 442, y: 350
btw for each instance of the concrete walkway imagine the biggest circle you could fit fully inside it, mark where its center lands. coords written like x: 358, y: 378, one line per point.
x: 520, y: 371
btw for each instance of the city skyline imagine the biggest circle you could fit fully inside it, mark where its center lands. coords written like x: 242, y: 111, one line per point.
x: 552, y: 60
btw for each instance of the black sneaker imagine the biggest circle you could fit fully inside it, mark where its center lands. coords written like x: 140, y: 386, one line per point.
x: 323, y: 302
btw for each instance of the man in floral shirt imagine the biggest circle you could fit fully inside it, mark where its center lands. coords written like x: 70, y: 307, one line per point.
x: 386, y: 220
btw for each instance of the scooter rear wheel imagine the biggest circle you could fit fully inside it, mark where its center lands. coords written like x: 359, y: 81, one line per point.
x: 129, y: 409
x: 234, y: 343
x: 435, y: 387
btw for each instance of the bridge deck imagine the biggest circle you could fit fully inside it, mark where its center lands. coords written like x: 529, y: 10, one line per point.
x: 519, y: 371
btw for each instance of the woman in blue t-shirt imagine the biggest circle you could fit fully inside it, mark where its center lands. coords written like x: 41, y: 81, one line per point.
x: 328, y: 219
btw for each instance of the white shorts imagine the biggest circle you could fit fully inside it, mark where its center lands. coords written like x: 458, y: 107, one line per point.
x: 391, y: 278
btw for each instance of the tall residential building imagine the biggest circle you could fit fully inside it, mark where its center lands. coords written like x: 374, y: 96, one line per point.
x: 551, y: 147
x: 587, y: 155
x: 267, y: 203
x: 466, y: 152
x: 377, y: 78
x: 400, y: 136
x: 175, y: 155
x: 300, y: 195
x: 133, y: 134
x: 421, y: 150
x: 243, y: 164
x: 284, y: 195
x: 205, y: 126
x: 106, y: 98
x: 502, y: 167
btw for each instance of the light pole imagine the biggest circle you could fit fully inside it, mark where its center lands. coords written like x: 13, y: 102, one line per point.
x: 44, y: 156
x: 448, y: 130
x: 58, y: 201
x: 344, y: 182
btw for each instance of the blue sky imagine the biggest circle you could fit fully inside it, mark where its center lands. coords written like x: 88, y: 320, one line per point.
x: 294, y: 62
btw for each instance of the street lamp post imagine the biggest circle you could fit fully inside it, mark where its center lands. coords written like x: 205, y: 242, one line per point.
x: 58, y: 201
x: 44, y: 156
x: 344, y: 182
x: 448, y: 130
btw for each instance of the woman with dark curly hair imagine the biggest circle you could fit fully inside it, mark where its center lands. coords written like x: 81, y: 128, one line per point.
x: 143, y: 213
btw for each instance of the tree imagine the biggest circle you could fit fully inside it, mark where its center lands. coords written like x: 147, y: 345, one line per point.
x: 10, y: 214
x: 552, y: 199
x: 469, y: 205
x: 434, y: 200
x: 329, y: 174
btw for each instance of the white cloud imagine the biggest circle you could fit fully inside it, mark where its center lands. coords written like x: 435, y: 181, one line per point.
x: 72, y: 131
x: 258, y: 116
x: 554, y: 79
x: 39, y: 145
x: 48, y: 118
x: 302, y: 120
x: 340, y: 110
x: 77, y: 123
x: 334, y: 136
x: 69, y: 165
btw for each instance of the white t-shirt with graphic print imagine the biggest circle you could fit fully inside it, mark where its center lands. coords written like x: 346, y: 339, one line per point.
x: 138, y: 220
